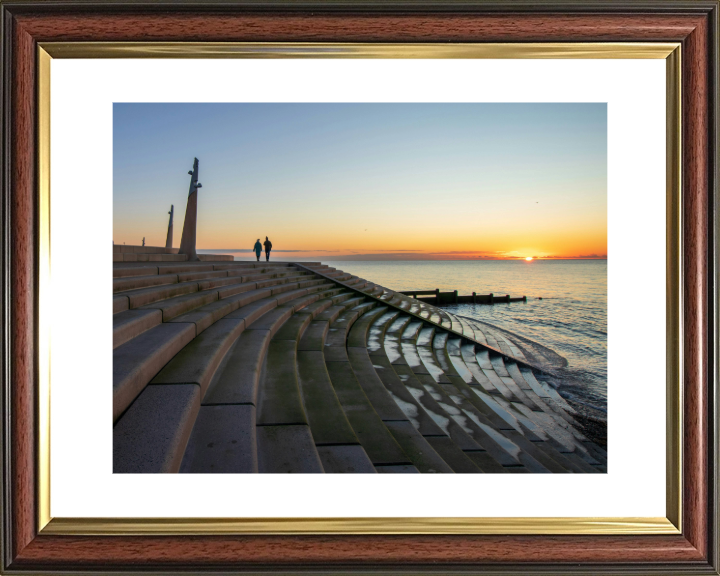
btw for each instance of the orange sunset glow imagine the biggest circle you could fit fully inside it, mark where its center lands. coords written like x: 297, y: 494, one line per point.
x: 369, y: 181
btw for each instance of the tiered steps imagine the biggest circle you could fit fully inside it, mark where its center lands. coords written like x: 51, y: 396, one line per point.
x: 278, y: 367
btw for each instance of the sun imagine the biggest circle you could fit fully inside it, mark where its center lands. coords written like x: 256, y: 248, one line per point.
x: 528, y: 258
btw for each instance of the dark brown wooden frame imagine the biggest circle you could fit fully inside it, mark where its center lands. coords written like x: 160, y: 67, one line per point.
x: 24, y: 24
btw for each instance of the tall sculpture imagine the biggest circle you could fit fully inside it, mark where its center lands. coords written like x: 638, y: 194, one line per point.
x: 187, y: 243
x: 168, y: 242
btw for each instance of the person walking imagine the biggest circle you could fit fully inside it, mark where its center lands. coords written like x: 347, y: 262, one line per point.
x: 268, y: 247
x: 258, y: 249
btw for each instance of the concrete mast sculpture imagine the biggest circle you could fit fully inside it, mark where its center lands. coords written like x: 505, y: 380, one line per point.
x: 168, y: 242
x: 187, y: 243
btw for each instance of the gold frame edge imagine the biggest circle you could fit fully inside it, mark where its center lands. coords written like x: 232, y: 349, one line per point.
x: 270, y: 526
x: 531, y: 50
x: 44, y: 354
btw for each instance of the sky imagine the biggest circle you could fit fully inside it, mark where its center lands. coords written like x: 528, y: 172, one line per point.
x: 367, y: 181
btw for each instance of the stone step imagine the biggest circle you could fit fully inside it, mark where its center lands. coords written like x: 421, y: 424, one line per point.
x: 456, y: 458
x: 417, y: 448
x: 129, y: 271
x: 466, y: 328
x: 326, y: 417
x: 180, y: 268
x: 455, y: 323
x: 149, y: 257
x: 482, y: 371
x: 237, y: 380
x: 345, y: 459
x: 143, y: 296
x: 426, y: 335
x: 370, y: 430
x: 135, y: 282
x: 198, y: 361
x: 139, y: 297
x: 473, y: 412
x: 412, y: 331
x: 136, y: 362
x: 131, y: 323
x: 488, y: 465
x: 205, y: 316
x: 336, y: 338
x: 223, y: 440
x: 152, y: 435
x: 252, y: 264
x: 405, y: 400
x: 437, y: 412
x: 280, y: 401
x: 366, y: 374
x: 471, y: 421
x: 376, y: 333
x: 523, y: 384
x: 479, y: 334
x: 397, y: 469
x: 357, y: 336
x: 278, y: 368
x: 287, y: 448
x: 177, y: 305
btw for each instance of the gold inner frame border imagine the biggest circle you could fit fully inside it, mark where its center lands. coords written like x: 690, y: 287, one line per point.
x: 671, y: 524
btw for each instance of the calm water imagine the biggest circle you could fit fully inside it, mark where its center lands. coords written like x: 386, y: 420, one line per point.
x: 571, y: 318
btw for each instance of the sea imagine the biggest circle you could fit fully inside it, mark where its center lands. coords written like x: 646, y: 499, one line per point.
x: 566, y: 308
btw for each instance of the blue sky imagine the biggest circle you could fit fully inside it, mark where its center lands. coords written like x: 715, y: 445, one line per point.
x: 367, y: 178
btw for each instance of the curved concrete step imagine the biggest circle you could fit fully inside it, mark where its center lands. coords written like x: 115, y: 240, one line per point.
x: 152, y: 435
x: 136, y: 362
x: 424, y: 416
x: 135, y: 282
x: 543, y: 428
x: 195, y: 282
x: 379, y: 444
x: 417, y: 448
x: 345, y: 459
x: 292, y: 369
x: 131, y: 323
x: 232, y: 378
x: 283, y: 425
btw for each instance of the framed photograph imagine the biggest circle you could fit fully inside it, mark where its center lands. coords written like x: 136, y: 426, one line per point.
x: 441, y: 294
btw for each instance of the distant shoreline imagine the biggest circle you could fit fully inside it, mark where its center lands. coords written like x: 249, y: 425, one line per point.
x: 363, y: 258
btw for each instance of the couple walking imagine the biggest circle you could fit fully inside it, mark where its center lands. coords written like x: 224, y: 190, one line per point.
x: 258, y: 249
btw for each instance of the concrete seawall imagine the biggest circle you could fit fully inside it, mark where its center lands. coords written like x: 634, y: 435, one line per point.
x: 223, y: 366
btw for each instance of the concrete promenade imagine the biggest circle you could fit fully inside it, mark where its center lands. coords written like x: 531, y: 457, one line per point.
x: 240, y: 367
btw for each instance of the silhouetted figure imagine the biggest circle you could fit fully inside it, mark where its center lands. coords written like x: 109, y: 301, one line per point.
x: 143, y: 240
x: 268, y: 247
x: 258, y: 249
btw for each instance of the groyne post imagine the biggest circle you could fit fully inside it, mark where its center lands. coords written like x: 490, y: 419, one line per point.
x: 492, y: 298
x: 169, y: 239
x: 474, y: 300
x: 524, y: 298
x: 456, y: 300
x: 507, y: 298
x: 437, y: 296
x: 187, y: 243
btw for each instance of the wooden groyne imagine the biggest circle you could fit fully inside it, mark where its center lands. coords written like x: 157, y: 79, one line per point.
x: 439, y: 298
